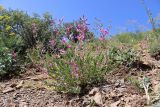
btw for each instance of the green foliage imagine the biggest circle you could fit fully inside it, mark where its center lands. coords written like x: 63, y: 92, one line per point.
x: 77, y: 69
x: 20, y: 24
x: 8, y: 65
x: 155, y: 48
x: 20, y: 32
x: 12, y: 48
x: 125, y: 38
x: 74, y: 58
x: 124, y: 57
x: 5, y: 60
x: 135, y: 82
x: 129, y: 38
x: 35, y: 55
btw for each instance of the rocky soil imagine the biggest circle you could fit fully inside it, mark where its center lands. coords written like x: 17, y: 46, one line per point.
x: 120, y: 90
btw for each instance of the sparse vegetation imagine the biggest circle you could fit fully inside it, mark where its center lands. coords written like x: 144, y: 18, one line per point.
x: 155, y: 49
x: 72, y: 58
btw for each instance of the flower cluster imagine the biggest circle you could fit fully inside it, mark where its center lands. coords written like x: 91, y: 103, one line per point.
x: 82, y: 28
x: 65, y: 42
x: 52, y: 42
x: 68, y: 30
x: 56, y: 31
x: 74, y: 69
x: 14, y: 55
x: 104, y: 33
x: 62, y: 52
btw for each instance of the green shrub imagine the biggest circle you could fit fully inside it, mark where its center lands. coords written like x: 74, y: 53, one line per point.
x: 33, y: 30
x: 36, y: 55
x: 155, y: 48
x: 77, y: 69
x: 124, y: 57
x: 12, y: 52
x: 135, y: 82
x: 129, y: 38
x: 125, y: 38
x: 8, y: 63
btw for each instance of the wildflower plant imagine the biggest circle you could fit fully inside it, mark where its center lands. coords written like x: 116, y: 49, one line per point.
x: 76, y: 69
x: 8, y: 63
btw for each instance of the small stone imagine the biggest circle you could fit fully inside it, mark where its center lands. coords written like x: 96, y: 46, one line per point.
x: 113, y: 94
x: 14, y: 95
x: 122, y: 81
x: 9, y: 89
x: 115, y: 104
x: 98, y: 98
x: 23, y: 104
x: 119, y: 95
x: 117, y: 84
x: 93, y: 91
x: 2, y: 85
x: 35, y: 79
x: 13, y: 85
x: 126, y: 105
x: 20, y: 84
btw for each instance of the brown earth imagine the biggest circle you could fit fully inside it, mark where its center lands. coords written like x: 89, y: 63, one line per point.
x: 120, y: 90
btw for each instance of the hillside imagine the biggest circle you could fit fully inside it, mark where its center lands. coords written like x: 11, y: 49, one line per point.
x: 44, y: 63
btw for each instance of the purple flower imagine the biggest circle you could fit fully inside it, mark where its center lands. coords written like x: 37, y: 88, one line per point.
x: 65, y: 40
x: 104, y: 32
x: 69, y: 46
x: 68, y: 30
x: 14, y: 54
x: 62, y: 52
x: 101, y: 38
x: 74, y: 69
x: 82, y: 28
x: 52, y: 42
